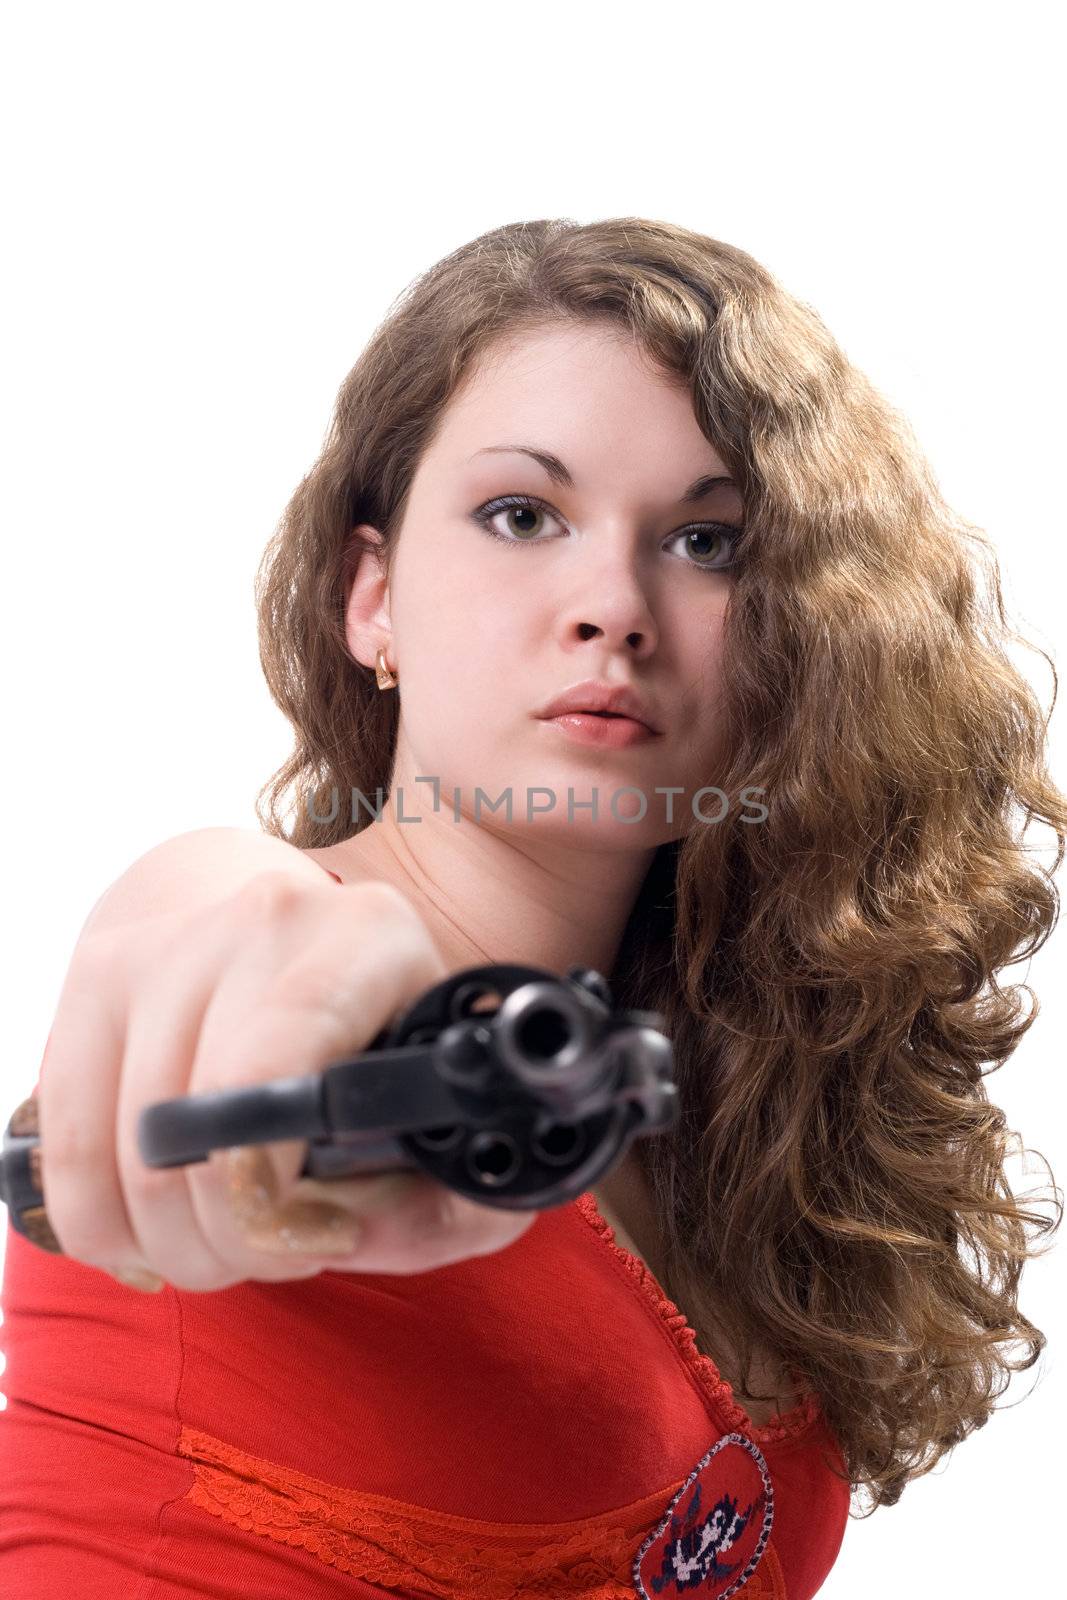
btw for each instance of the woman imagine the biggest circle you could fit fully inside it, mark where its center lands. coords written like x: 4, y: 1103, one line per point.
x: 796, y: 842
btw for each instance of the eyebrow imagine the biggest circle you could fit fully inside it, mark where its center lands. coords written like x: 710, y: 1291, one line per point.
x: 559, y: 473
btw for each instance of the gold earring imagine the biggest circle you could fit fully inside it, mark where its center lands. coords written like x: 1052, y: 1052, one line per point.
x: 386, y: 679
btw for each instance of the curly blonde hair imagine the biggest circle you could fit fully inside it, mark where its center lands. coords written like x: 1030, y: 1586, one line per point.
x: 834, y: 1189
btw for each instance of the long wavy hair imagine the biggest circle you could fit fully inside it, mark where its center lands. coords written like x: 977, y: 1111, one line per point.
x: 834, y: 1190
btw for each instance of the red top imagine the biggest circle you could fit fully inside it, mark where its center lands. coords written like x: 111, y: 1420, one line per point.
x: 532, y: 1423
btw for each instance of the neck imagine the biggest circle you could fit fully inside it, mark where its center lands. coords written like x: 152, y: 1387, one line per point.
x: 500, y: 896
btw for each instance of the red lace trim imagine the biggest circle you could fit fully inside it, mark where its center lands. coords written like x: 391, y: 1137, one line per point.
x: 790, y: 1425
x: 398, y: 1545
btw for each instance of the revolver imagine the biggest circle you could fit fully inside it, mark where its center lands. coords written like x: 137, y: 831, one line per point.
x: 509, y: 1084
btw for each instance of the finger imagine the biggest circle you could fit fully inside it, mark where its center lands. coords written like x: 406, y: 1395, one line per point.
x: 77, y: 1091
x: 161, y: 1038
x: 267, y: 1021
x: 405, y: 1221
x: 437, y: 1230
x: 424, y: 1226
x: 307, y: 1222
x: 161, y: 1045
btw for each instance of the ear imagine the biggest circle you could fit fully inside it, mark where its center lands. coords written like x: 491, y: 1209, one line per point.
x: 368, y: 627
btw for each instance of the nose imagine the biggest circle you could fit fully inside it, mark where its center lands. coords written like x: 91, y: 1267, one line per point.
x: 612, y: 606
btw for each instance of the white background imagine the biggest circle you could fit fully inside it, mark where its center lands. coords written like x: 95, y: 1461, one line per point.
x: 207, y: 209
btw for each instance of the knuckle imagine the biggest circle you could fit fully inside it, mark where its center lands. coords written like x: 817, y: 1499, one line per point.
x: 69, y: 1153
x: 414, y: 941
x: 380, y: 892
x: 306, y: 985
x: 462, y: 1229
x: 269, y: 895
x: 144, y: 1186
x: 434, y: 1219
x: 80, y: 1235
x: 112, y: 962
x: 97, y: 954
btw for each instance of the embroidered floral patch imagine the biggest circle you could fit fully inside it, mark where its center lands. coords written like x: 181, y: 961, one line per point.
x: 715, y: 1541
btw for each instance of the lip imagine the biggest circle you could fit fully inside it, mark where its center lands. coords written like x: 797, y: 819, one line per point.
x: 593, y: 696
x: 610, y: 733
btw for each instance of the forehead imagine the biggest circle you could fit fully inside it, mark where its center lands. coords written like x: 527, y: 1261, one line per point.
x: 569, y: 351
x: 572, y: 388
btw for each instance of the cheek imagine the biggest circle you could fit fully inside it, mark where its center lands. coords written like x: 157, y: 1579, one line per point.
x: 702, y: 689
x: 467, y: 649
x: 485, y: 611
x: 699, y: 639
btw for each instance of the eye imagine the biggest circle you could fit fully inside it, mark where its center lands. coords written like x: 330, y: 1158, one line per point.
x: 532, y: 508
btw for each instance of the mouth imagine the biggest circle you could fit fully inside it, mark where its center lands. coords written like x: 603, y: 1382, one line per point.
x: 606, y: 702
x: 606, y: 729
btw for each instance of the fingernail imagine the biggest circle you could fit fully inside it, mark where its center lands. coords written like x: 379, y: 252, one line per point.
x: 252, y: 1184
x: 300, y: 1226
x: 147, y: 1282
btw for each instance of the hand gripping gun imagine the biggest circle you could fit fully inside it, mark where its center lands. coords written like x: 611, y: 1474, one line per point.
x: 509, y: 1084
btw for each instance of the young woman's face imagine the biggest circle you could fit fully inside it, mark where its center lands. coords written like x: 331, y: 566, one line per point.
x: 612, y: 577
